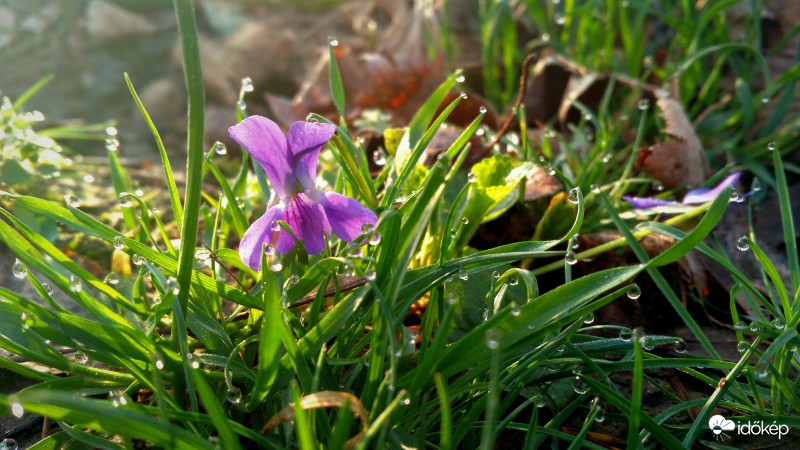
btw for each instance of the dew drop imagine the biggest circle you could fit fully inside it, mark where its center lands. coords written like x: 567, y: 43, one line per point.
x: 276, y: 265
x: 513, y: 280
x: 496, y: 274
x: 406, y: 400
x: 75, y: 284
x: 159, y: 364
x: 588, y: 117
x: 275, y: 226
x: 515, y: 309
x: 644, y: 104
x: 125, y: 200
x: 754, y: 327
x: 577, y: 369
x: 538, y: 400
x: 778, y: 323
x: 367, y: 227
x: 117, y: 398
x: 680, y: 346
x: 18, y: 269
x: 463, y: 95
x: 111, y: 131
x: 242, y: 106
x: 293, y: 279
x: 269, y: 250
x: 606, y: 159
x: 756, y: 186
x: 472, y: 177
x: 194, y: 361
x: 771, y: 146
x: 570, y: 258
x: 735, y: 196
x: 460, y: 79
x: 333, y: 42
x: 762, y: 369
x: 247, y: 84
x: 625, y: 335
x: 88, y: 178
x: 118, y: 243
x: 560, y: 19
x: 463, y: 274
x: 112, y: 144
x: 482, y: 110
x: 72, y: 201
x: 657, y: 186
x: 379, y: 157
x: 112, y: 278
x: 9, y: 443
x: 595, y: 189
x: 589, y: 319
x: 81, y: 358
x: 374, y: 238
x: 492, y: 339
x: 647, y: 62
x: 219, y: 148
x: 47, y: 288
x: 546, y: 37
x: 480, y: 132
x: 634, y: 292
x: 369, y: 274
x: 743, y: 244
x: 17, y: 410
x: 742, y: 347
x: 234, y: 395
x: 647, y: 343
x: 573, y: 195
x: 137, y: 259
x: 579, y: 386
x: 765, y: 100
x: 172, y: 286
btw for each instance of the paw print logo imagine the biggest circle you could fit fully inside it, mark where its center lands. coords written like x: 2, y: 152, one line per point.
x: 718, y: 424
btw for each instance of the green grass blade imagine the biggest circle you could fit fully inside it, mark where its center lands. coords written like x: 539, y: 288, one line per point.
x: 172, y: 188
x: 215, y: 412
x: 193, y: 75
x: 787, y: 221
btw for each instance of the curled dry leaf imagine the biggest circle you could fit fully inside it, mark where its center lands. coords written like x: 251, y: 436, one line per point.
x: 679, y: 161
x: 324, y: 399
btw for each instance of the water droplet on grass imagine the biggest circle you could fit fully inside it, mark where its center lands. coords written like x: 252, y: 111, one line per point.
x: 743, y: 244
x: 118, y: 243
x: 735, y: 197
x: 75, y: 284
x: 81, y: 358
x: 472, y: 177
x: 574, y: 195
x: 137, y: 259
x: 159, y: 364
x: 538, y: 400
x: 680, y: 346
x: 125, y: 200
x: 595, y: 189
x: 172, y: 286
x: 634, y: 292
x: 8, y: 444
x: 194, y: 361
x: 112, y: 278
x: 647, y: 342
x: 778, y: 323
x: 374, y: 238
x: 235, y: 395
x: 247, y: 84
x: 515, y: 309
x: 334, y: 42
x: 742, y: 347
x: 72, y: 200
x: 644, y: 104
x: 625, y: 335
x: 379, y: 157
x: 579, y: 386
x: 570, y: 258
x: 369, y: 274
x: 219, y: 148
x: 482, y: 110
x: 762, y: 369
x: 589, y: 319
x: 600, y: 417
x: 18, y: 269
x: 463, y: 95
x: 462, y: 273
x: 492, y: 339
x: 771, y: 146
x: 460, y: 79
x: 17, y: 410
x: 47, y: 288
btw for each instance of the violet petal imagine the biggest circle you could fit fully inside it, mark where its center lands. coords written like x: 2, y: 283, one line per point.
x: 648, y: 202
x: 700, y: 196
x: 259, y: 232
x: 308, y: 222
x: 347, y: 216
x: 305, y: 141
x: 264, y: 140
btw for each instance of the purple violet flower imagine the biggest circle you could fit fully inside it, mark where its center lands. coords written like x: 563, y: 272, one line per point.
x: 290, y: 163
x: 693, y: 197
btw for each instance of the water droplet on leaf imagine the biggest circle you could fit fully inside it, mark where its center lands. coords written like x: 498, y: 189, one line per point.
x: 570, y: 258
x: 18, y: 269
x: 634, y: 292
x: 125, y: 200
x: 118, y: 243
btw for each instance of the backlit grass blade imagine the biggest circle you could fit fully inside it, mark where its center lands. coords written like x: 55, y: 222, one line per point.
x: 174, y: 196
x: 214, y: 410
x: 787, y: 221
x: 269, y: 343
x: 193, y: 76
x: 634, y: 413
x: 31, y: 91
x: 335, y: 78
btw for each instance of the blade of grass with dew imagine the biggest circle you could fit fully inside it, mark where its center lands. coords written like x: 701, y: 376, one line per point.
x: 131, y: 423
x: 706, y: 225
x: 214, y: 410
x: 634, y: 413
x: 787, y: 222
x: 193, y: 77
x: 269, y: 342
x: 172, y: 188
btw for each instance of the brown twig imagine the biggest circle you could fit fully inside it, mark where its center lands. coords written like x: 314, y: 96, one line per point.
x: 523, y: 84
